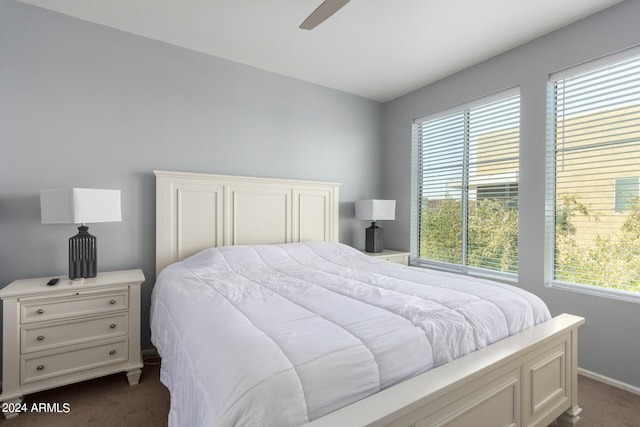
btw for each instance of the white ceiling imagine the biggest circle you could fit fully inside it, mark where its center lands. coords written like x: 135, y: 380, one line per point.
x: 378, y: 49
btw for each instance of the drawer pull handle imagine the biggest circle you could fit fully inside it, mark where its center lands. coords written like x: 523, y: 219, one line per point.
x: 40, y: 367
x: 40, y: 311
x: 112, y: 326
x: 112, y: 302
x: 40, y: 337
x: 112, y: 352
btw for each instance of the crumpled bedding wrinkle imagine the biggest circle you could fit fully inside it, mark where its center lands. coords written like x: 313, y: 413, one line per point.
x: 277, y: 335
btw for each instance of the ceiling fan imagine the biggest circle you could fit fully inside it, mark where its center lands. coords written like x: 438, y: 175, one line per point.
x: 324, y: 11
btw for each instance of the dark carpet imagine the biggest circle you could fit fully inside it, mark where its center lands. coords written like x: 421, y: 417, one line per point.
x: 111, y: 402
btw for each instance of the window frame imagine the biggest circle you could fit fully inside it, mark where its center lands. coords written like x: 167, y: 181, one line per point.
x: 621, y: 202
x: 416, y: 169
x: 550, y: 187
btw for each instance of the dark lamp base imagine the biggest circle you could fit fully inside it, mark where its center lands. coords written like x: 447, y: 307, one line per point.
x: 373, y: 239
x: 83, y: 259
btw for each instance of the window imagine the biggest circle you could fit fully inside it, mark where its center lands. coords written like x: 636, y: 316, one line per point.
x: 626, y: 193
x: 467, y: 190
x: 593, y: 187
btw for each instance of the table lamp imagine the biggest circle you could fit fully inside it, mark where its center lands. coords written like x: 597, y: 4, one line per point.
x: 374, y: 210
x: 80, y: 206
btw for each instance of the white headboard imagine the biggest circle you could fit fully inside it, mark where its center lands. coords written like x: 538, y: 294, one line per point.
x: 195, y: 211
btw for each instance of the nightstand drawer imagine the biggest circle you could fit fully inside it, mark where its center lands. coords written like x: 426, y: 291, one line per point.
x: 43, y: 367
x: 53, y: 309
x: 36, y: 338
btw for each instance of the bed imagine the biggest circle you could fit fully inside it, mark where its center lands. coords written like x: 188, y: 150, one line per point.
x: 262, y: 318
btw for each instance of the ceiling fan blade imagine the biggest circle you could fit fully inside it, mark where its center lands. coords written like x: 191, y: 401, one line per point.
x: 325, y: 10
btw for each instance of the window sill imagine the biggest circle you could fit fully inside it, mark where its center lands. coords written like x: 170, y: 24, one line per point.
x: 596, y: 291
x: 508, y: 278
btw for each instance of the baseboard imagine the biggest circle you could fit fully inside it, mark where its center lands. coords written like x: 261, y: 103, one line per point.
x: 610, y: 381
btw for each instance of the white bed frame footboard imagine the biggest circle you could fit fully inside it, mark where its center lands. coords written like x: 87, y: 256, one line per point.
x: 528, y: 379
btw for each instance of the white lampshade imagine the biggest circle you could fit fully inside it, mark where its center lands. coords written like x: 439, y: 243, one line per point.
x: 79, y: 206
x: 375, y: 210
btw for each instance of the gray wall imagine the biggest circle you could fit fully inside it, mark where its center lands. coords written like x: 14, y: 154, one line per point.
x: 610, y: 340
x: 86, y: 106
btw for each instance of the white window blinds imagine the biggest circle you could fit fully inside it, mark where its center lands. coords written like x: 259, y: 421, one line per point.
x: 595, y: 150
x: 468, y: 185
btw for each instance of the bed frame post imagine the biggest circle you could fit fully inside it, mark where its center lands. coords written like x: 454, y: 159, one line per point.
x: 571, y: 416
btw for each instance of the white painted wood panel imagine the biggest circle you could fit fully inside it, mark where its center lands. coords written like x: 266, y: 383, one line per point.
x: 196, y: 211
x: 313, y: 220
x: 190, y: 211
x: 496, y: 404
x: 259, y: 215
x: 545, y: 382
x: 197, y: 220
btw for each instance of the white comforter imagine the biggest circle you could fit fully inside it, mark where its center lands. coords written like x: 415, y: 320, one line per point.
x: 280, y: 335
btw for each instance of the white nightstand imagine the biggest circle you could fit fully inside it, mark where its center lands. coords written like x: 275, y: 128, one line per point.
x: 69, y: 332
x: 400, y: 257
